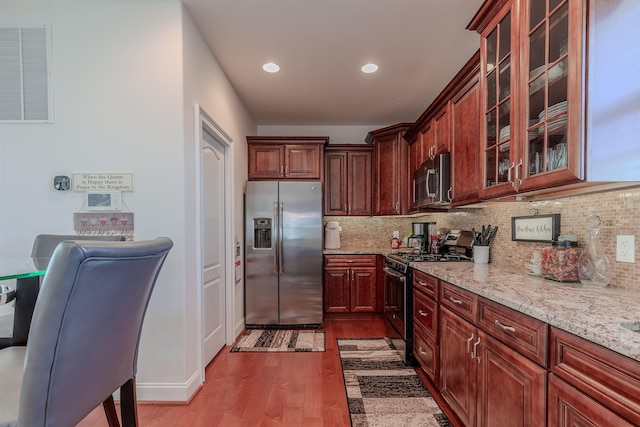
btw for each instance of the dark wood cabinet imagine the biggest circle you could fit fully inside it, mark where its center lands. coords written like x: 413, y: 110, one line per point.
x: 511, y: 389
x: 492, y: 370
x: 350, y: 284
x: 391, y: 179
x: 272, y: 157
x: 465, y: 134
x: 607, y: 382
x: 568, y: 407
x: 348, y: 180
x: 531, y: 94
x: 458, y: 370
x: 451, y: 124
x: 441, y: 131
x: 425, y: 321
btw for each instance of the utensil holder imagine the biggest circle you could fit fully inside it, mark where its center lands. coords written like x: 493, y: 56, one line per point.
x: 481, y: 254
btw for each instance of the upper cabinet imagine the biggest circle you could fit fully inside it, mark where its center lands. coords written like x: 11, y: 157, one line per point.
x: 465, y: 133
x: 531, y: 94
x: 391, y: 180
x: 451, y: 124
x: 348, y: 179
x: 278, y: 157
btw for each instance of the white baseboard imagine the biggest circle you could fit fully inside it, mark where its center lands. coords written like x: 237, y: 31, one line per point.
x: 168, y: 392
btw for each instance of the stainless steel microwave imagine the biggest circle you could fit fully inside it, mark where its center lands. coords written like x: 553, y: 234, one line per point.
x: 431, y: 183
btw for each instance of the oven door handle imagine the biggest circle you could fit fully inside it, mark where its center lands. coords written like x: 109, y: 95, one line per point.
x: 398, y: 276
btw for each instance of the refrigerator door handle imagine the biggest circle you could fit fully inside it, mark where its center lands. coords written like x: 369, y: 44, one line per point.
x: 281, y: 239
x: 274, y: 231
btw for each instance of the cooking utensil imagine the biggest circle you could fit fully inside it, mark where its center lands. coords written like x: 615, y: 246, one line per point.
x: 484, y: 238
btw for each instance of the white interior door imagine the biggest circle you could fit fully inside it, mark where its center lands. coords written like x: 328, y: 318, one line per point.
x: 213, y: 245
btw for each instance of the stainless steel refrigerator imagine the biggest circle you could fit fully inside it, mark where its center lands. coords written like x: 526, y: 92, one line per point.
x: 283, y: 253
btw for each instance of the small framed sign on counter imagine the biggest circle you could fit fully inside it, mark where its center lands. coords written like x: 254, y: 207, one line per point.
x: 538, y: 228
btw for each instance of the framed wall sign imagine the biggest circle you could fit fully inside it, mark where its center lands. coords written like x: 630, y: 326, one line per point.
x: 538, y: 228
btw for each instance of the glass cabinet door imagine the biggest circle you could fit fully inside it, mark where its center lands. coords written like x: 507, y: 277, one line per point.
x: 497, y: 144
x: 547, y: 107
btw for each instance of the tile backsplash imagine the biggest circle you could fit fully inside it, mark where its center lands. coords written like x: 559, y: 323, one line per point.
x: 619, y: 211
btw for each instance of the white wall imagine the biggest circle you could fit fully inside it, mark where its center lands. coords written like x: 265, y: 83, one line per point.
x: 123, y: 104
x: 336, y: 134
x: 206, y: 84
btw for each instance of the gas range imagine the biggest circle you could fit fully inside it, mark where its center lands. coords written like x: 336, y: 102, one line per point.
x: 400, y: 260
x: 425, y: 257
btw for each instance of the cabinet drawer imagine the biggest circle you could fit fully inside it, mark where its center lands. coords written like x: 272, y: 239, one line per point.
x: 526, y: 335
x: 608, y: 377
x: 461, y: 302
x: 350, y: 260
x: 426, y: 353
x: 425, y: 314
x: 425, y: 283
x: 567, y: 404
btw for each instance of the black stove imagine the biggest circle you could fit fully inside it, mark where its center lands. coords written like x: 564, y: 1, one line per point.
x: 401, y: 260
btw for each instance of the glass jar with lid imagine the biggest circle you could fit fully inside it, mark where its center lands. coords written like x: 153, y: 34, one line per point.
x: 560, y: 261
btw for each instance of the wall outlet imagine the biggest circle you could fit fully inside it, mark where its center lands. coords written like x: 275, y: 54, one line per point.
x: 626, y: 249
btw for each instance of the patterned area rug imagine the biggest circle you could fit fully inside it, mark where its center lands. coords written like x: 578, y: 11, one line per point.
x: 278, y: 340
x: 382, y: 390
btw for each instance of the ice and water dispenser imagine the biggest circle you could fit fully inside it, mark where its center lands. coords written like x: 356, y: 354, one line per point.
x: 262, y: 233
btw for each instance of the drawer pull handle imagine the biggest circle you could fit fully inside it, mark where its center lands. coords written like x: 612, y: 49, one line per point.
x: 469, y: 343
x: 505, y: 328
x: 421, y: 283
x: 423, y: 313
x: 421, y: 351
x: 455, y: 301
x: 351, y: 260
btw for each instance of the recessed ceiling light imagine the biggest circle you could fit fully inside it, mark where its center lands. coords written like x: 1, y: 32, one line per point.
x: 270, y: 67
x: 369, y: 68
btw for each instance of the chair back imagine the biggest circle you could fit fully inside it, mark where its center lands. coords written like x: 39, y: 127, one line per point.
x: 45, y: 244
x: 85, y: 332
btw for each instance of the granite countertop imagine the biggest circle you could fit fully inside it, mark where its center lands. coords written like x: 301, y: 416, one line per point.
x: 594, y: 314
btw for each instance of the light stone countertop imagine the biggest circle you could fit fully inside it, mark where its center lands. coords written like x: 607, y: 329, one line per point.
x: 594, y: 314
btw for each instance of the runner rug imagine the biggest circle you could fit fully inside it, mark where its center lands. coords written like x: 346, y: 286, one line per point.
x: 280, y: 340
x: 382, y: 390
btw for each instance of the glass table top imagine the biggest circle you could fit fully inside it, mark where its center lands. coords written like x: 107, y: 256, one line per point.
x: 18, y: 268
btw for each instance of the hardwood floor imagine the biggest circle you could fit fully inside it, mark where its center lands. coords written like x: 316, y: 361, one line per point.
x: 266, y: 389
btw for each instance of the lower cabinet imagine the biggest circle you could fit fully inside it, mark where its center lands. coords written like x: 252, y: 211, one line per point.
x: 485, y: 381
x: 591, y: 385
x: 511, y: 388
x: 495, y: 366
x: 425, y: 324
x: 458, y: 369
x: 350, y: 284
x: 568, y: 407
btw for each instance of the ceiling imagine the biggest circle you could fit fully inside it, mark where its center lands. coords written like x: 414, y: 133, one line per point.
x: 320, y: 46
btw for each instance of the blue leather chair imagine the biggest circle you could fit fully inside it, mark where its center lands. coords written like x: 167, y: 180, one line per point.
x: 84, y: 338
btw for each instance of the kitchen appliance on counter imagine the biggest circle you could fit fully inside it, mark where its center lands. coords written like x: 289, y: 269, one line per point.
x: 332, y: 231
x: 431, y: 183
x: 398, y: 277
x: 283, y: 252
x: 420, y: 239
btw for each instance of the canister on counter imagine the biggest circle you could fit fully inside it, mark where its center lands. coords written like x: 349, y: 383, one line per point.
x: 560, y: 261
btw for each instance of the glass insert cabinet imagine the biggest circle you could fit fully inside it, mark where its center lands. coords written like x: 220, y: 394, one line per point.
x: 531, y: 82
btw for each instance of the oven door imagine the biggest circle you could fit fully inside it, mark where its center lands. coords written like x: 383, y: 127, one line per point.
x: 395, y: 284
